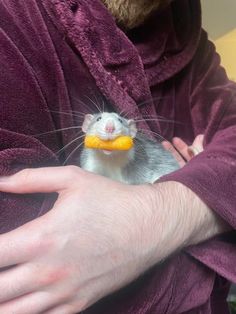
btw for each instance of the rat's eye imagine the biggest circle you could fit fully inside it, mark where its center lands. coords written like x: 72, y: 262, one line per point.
x: 99, y: 118
x: 121, y: 121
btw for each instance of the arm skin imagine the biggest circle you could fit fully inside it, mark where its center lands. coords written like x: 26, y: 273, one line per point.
x: 93, y: 242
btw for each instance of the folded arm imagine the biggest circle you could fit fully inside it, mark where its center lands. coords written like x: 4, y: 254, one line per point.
x: 212, y: 174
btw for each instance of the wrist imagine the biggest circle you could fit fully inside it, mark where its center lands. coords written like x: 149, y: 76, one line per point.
x: 174, y: 217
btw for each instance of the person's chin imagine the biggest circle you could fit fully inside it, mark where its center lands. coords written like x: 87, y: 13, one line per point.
x: 132, y: 13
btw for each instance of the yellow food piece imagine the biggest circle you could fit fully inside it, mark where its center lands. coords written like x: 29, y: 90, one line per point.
x: 119, y: 143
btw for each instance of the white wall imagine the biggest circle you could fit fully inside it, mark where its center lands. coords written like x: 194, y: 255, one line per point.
x: 219, y: 16
x: 219, y: 19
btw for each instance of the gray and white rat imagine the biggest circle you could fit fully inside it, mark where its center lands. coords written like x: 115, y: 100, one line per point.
x: 145, y: 162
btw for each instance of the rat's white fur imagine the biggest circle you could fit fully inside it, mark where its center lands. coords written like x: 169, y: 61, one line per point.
x: 110, y: 166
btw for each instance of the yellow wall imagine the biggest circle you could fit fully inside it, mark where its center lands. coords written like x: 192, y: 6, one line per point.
x: 219, y: 19
x: 226, y: 46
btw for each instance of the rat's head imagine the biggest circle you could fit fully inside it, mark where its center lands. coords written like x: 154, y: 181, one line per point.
x: 108, y: 126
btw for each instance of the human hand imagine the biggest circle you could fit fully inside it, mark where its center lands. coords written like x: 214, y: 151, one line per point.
x: 99, y: 236
x: 183, y: 152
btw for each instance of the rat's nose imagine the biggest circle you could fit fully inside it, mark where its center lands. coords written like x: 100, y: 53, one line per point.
x: 110, y: 127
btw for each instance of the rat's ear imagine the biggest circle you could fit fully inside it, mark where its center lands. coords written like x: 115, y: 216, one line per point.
x: 132, y: 127
x: 87, y: 120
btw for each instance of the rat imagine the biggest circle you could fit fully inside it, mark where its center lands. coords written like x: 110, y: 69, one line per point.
x: 145, y: 162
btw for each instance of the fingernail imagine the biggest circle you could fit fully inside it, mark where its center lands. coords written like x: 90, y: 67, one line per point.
x: 190, y: 151
x: 200, y: 137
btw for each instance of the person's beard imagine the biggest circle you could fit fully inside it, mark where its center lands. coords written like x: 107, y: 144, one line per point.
x: 132, y: 13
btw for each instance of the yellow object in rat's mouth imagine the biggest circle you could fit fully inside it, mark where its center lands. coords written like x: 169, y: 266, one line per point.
x: 119, y: 143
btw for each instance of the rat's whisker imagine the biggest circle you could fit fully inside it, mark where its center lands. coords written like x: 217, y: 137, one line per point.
x: 100, y: 101
x: 154, y: 119
x: 162, y: 119
x: 124, y: 112
x: 77, y: 112
x: 93, y: 102
x: 103, y: 105
x: 153, y: 99
x: 58, y: 130
x: 149, y: 116
x: 88, y: 108
x: 157, y: 119
x: 71, y: 154
x: 67, y: 145
x: 140, y: 147
x: 146, y: 102
x: 144, y: 131
x: 68, y: 113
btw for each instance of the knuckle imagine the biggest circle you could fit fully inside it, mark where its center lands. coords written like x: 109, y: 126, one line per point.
x: 50, y: 275
x: 72, y: 172
x: 59, y: 275
x: 41, y: 243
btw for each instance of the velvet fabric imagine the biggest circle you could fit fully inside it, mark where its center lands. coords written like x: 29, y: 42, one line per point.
x: 60, y: 57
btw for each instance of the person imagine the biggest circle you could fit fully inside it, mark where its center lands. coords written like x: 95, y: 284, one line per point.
x: 79, y: 238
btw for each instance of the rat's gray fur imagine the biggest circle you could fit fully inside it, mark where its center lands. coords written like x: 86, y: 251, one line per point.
x: 151, y: 162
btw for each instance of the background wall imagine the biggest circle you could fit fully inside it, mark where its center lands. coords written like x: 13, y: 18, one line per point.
x: 219, y: 19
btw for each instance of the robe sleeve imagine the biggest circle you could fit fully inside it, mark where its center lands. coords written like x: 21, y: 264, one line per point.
x: 23, y: 114
x: 212, y: 174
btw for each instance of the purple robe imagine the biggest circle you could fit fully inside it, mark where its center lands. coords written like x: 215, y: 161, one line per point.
x: 64, y: 55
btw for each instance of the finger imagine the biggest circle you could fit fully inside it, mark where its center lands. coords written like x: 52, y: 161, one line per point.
x: 182, y: 147
x: 197, y: 146
x: 193, y: 151
x: 40, y: 180
x: 16, y: 282
x: 169, y: 147
x: 27, y: 278
x: 31, y: 303
x: 198, y: 142
x: 24, y: 243
x: 62, y: 309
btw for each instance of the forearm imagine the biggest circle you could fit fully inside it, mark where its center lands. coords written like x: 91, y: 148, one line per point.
x: 179, y: 218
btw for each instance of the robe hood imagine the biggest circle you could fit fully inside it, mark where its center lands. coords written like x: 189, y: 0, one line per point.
x: 148, y: 55
x: 166, y: 42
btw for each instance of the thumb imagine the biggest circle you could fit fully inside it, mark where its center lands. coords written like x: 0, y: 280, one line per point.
x: 40, y: 180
